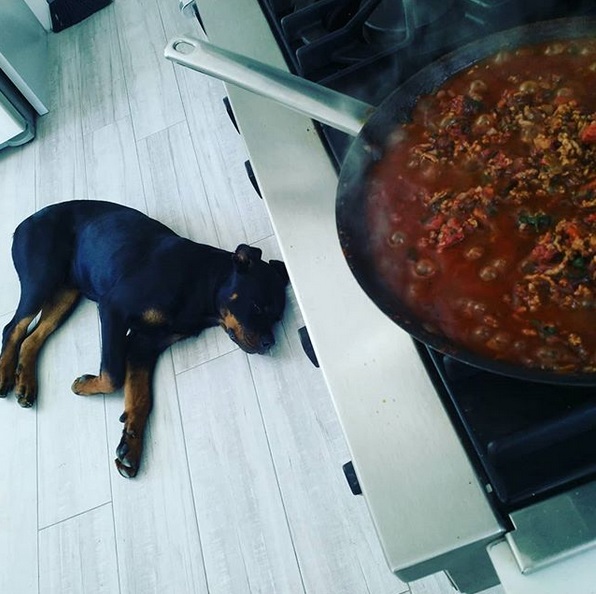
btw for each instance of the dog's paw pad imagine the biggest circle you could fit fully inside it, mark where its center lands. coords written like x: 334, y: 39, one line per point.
x: 89, y: 385
x: 25, y: 401
x: 79, y: 386
x: 26, y: 391
x: 124, y: 470
x: 128, y: 455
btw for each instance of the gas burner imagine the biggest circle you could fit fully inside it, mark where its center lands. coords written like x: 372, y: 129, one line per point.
x: 329, y: 40
x: 325, y: 38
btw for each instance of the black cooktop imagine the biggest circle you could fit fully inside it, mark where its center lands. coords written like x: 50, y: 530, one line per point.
x: 528, y: 440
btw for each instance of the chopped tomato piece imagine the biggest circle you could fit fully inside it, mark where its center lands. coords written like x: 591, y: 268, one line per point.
x: 588, y: 134
x: 591, y: 185
x: 572, y: 231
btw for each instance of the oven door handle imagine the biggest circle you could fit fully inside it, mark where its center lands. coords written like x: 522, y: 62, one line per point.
x: 322, y: 104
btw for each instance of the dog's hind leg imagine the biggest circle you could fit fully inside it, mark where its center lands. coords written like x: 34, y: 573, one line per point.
x: 31, y: 302
x: 53, y: 313
x: 41, y: 252
x: 13, y: 335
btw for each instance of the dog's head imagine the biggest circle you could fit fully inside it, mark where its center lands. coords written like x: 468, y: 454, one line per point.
x: 253, y: 299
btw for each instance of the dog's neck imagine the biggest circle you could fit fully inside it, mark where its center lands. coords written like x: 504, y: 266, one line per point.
x: 220, y: 289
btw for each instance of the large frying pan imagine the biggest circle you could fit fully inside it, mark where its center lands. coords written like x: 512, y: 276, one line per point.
x: 372, y: 128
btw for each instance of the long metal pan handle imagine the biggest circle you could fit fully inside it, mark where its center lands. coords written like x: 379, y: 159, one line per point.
x: 318, y: 102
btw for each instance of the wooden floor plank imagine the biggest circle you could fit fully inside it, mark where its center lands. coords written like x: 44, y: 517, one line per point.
x: 73, y: 469
x: 174, y: 187
x: 112, y: 165
x: 102, y: 85
x: 79, y: 555
x: 155, y: 102
x: 159, y: 548
x: 60, y: 163
x: 440, y: 584
x: 18, y: 496
x: 246, y: 540
x: 174, y: 22
x: 238, y: 212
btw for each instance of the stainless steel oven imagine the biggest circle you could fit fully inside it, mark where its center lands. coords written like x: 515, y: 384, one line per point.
x: 485, y: 477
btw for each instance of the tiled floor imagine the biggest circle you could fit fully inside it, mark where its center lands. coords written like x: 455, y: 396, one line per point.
x: 241, y: 489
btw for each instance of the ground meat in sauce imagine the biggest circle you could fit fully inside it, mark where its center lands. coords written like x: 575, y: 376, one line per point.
x: 491, y: 190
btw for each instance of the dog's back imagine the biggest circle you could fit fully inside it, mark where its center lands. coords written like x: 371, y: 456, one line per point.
x: 85, y: 242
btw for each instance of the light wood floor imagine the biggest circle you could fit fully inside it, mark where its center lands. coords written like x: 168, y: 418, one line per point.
x: 241, y: 489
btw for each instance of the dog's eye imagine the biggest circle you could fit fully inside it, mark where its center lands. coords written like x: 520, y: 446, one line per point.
x: 261, y: 309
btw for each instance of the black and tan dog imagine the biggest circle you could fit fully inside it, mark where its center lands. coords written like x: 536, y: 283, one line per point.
x: 152, y: 287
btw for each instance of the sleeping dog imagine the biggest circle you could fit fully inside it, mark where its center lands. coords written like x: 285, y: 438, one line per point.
x: 152, y: 288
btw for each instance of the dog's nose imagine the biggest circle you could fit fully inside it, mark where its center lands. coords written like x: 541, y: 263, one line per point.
x: 267, y: 341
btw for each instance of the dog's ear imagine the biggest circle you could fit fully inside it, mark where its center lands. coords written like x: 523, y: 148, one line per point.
x: 245, y: 256
x: 281, y: 270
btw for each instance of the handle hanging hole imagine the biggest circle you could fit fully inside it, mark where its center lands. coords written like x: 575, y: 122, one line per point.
x: 183, y: 47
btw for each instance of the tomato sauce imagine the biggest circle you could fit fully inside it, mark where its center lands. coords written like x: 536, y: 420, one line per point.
x: 482, y: 211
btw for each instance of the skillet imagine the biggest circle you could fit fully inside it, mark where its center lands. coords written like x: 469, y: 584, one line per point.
x: 372, y: 128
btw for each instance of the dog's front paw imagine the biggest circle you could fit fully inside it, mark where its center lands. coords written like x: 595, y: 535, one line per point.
x: 88, y: 385
x: 128, y: 454
x: 26, y: 387
x: 81, y: 384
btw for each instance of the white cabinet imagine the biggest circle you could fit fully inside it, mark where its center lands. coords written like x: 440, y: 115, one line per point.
x: 23, y: 52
